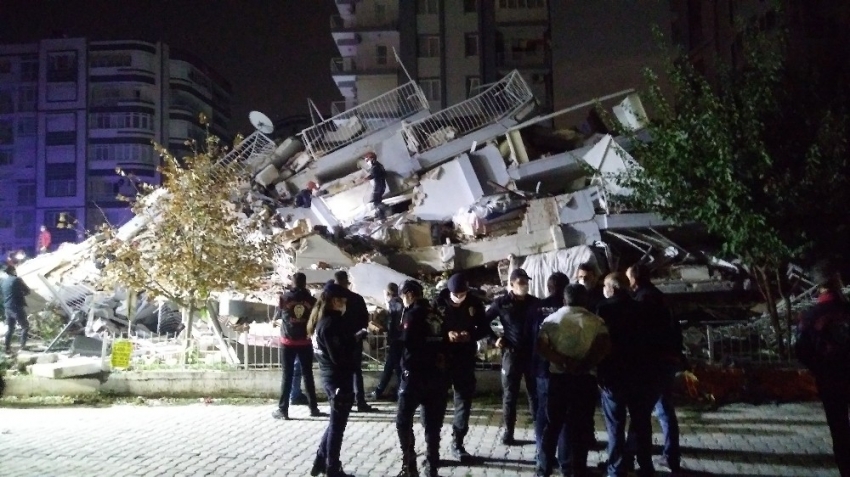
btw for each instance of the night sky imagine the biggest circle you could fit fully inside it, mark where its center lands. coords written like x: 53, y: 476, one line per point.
x: 275, y: 54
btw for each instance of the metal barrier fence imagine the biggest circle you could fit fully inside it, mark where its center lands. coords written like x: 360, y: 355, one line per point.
x: 737, y: 342
x: 504, y: 98
x: 366, y: 118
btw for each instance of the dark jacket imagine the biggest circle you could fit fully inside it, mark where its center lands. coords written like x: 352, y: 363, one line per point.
x: 823, y: 339
x: 469, y: 316
x: 513, y: 313
x: 394, y: 318
x: 378, y: 176
x: 542, y: 309
x: 294, y: 310
x: 635, y: 353
x: 670, y: 331
x: 336, y: 348
x: 14, y: 291
x: 356, y: 311
x: 424, y: 340
x: 594, y: 297
x: 304, y: 199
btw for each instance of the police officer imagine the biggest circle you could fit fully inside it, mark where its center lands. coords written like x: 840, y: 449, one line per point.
x: 424, y: 378
x: 555, y: 286
x: 512, y: 310
x: 358, y: 317
x: 466, y: 323
x: 292, y: 314
x: 337, y: 350
x: 395, y: 308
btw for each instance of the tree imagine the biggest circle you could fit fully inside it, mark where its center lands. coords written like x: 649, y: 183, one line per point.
x: 196, y: 241
x: 759, y: 158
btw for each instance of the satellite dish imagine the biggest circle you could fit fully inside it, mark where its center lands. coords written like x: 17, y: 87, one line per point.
x: 261, y: 122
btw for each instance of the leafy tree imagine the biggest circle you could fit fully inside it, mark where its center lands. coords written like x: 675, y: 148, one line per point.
x: 759, y: 157
x: 195, y: 241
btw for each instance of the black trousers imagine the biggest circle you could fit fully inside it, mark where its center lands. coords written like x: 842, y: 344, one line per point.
x: 340, y: 398
x: 571, y: 399
x: 515, y: 367
x: 835, y: 396
x: 287, y: 357
x: 632, y: 396
x: 462, y: 379
x: 391, y: 366
x: 429, y: 392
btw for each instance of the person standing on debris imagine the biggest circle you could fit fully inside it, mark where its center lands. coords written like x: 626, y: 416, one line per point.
x: 304, y: 198
x: 44, y: 240
x: 629, y: 377
x: 392, y: 365
x: 14, y: 292
x: 512, y: 310
x: 357, y: 315
x: 337, y: 350
x: 574, y: 341
x: 466, y: 323
x: 823, y: 346
x: 425, y: 378
x: 378, y: 176
x: 555, y: 286
x: 673, y: 361
x: 292, y: 314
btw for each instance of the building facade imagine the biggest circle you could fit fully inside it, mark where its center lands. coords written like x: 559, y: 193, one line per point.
x: 72, y: 111
x: 450, y: 48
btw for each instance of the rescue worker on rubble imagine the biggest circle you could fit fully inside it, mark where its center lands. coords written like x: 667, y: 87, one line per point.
x: 555, y: 286
x: 378, y: 176
x: 357, y: 315
x: 392, y: 365
x: 512, y: 310
x: 630, y: 376
x: 573, y: 340
x: 304, y: 198
x: 292, y: 314
x: 673, y: 362
x: 466, y: 323
x: 425, y: 378
x: 337, y: 349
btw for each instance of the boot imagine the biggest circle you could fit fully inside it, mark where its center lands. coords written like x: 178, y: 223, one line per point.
x: 508, y: 436
x: 408, y: 454
x: 319, y: 466
x: 432, y: 459
x: 337, y: 472
x: 429, y: 469
x: 458, y: 451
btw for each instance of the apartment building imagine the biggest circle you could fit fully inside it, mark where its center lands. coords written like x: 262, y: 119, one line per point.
x: 450, y: 48
x: 73, y: 110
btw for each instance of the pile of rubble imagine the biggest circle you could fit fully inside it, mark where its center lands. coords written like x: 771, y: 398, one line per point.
x: 480, y: 185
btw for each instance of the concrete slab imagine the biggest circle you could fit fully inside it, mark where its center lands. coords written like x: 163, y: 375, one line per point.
x: 68, y: 368
x: 315, y: 249
x: 444, y: 191
x: 371, y: 279
x: 490, y: 166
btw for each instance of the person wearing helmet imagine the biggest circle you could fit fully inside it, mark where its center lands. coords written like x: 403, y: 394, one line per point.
x: 378, y: 176
x: 424, y: 379
x: 466, y: 323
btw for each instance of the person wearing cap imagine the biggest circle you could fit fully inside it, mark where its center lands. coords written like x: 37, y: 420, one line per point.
x: 392, y: 365
x: 823, y: 346
x: 555, y: 286
x: 630, y: 377
x: 292, y: 314
x: 512, y: 310
x: 337, y: 349
x: 304, y: 198
x: 357, y: 315
x: 424, y: 379
x: 378, y: 176
x: 466, y: 323
x: 573, y: 341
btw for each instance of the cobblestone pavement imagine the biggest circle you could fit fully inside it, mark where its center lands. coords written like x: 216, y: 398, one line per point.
x: 243, y: 440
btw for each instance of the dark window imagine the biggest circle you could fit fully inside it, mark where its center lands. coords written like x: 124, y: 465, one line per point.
x: 60, y: 188
x: 471, y: 44
x: 694, y: 23
x: 6, y: 132
x: 26, y: 194
x: 470, y: 6
x: 29, y: 68
x: 429, y: 46
x: 429, y: 7
x: 7, y: 157
x: 61, y: 138
x: 62, y: 67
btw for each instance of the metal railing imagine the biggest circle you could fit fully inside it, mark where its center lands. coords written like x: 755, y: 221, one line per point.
x: 339, y: 23
x: 339, y: 107
x: 745, y: 342
x: 250, y: 150
x: 366, y: 118
x: 504, y: 98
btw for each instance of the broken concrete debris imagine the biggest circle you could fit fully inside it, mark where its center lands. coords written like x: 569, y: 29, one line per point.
x: 480, y: 184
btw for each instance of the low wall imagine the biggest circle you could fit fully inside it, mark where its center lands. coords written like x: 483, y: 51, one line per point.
x: 182, y: 383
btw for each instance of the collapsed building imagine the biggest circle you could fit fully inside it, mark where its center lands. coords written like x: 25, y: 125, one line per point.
x: 483, y: 185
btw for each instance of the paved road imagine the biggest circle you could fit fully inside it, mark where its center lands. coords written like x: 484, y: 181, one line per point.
x: 198, y: 439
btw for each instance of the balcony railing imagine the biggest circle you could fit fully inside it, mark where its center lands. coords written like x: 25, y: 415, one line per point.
x: 345, y: 128
x: 339, y: 107
x: 249, y: 150
x: 339, y: 23
x: 522, y: 58
x: 352, y: 65
x: 504, y: 98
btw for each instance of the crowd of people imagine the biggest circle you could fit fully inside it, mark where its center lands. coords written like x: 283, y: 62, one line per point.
x: 613, y: 342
